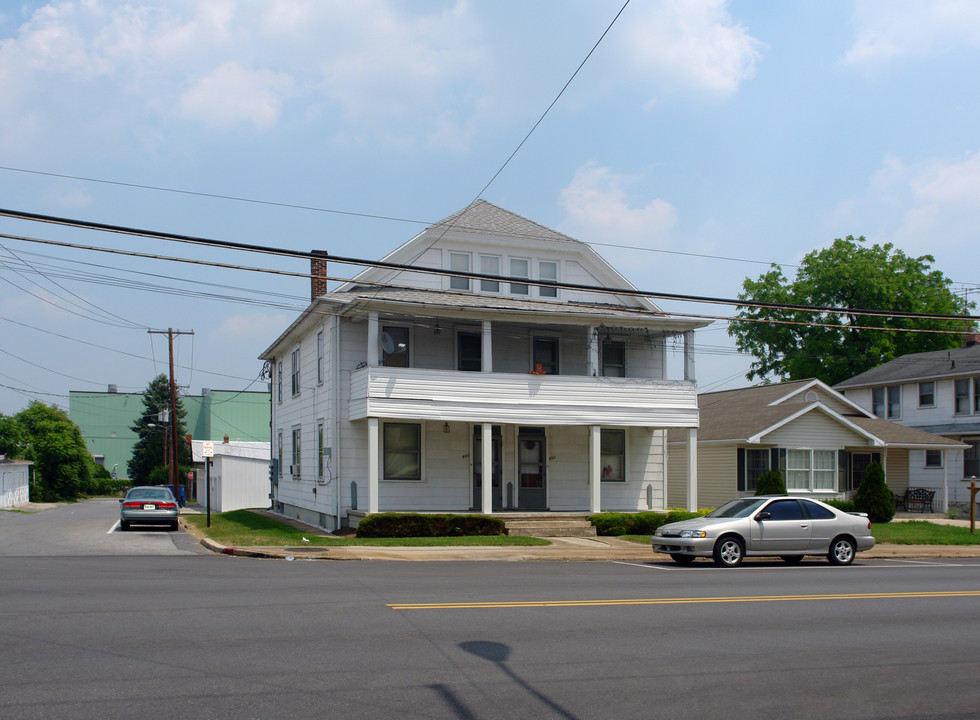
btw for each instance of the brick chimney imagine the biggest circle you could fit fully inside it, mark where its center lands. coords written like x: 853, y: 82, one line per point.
x: 318, y: 272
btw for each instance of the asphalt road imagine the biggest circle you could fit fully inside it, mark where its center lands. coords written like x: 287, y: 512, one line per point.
x: 142, y: 625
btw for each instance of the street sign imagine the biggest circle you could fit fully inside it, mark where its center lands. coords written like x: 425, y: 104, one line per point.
x: 207, y: 449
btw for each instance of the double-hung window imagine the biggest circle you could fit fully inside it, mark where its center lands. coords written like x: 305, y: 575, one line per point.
x: 489, y: 265
x: 280, y: 453
x: 319, y: 450
x: 927, y: 394
x: 297, y: 452
x: 547, y: 270
x: 886, y: 402
x: 459, y: 262
x: 319, y: 357
x: 934, y: 458
x: 295, y: 372
x: 612, y: 454
x: 962, y: 397
x: 811, y: 470
x: 279, y: 381
x: 519, y: 268
x: 613, y: 359
x: 402, y: 451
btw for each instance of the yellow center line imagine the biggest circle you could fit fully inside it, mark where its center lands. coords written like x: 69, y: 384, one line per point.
x: 681, y: 601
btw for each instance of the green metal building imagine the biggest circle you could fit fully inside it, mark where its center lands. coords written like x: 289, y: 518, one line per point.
x: 106, y: 419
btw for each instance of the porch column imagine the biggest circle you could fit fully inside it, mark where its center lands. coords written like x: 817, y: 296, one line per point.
x: 487, y: 349
x: 372, y: 340
x: 595, y: 471
x: 486, y: 459
x: 592, y: 368
x: 374, y: 453
x: 689, y: 356
x: 692, y: 469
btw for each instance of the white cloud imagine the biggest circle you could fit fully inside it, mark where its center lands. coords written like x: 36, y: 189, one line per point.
x: 598, y: 209
x: 886, y: 29
x: 232, y: 94
x: 692, y: 44
x: 252, y: 326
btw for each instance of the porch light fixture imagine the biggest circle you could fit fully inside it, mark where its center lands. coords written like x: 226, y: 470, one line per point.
x: 445, y: 427
x: 437, y: 331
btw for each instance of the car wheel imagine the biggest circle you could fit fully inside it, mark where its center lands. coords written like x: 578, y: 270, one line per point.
x: 729, y: 551
x: 842, y: 551
x: 124, y: 525
x: 175, y: 525
x: 791, y: 559
x: 682, y: 559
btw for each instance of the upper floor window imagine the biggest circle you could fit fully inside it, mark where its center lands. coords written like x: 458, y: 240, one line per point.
x: 297, y: 452
x: 295, y: 372
x: 547, y: 271
x: 459, y: 262
x: 489, y: 265
x: 319, y: 357
x: 927, y: 394
x: 469, y: 351
x: 886, y: 402
x: 394, y: 346
x: 961, y: 405
x: 613, y: 358
x: 279, y: 381
x: 545, y: 355
x: 519, y: 268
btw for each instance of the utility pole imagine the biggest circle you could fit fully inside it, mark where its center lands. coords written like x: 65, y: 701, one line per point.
x: 173, y: 474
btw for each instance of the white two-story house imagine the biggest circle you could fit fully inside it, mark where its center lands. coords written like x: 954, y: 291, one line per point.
x: 486, y: 344
x: 938, y: 392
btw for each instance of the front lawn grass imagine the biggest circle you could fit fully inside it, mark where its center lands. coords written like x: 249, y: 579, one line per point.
x: 242, y: 528
x: 914, y: 532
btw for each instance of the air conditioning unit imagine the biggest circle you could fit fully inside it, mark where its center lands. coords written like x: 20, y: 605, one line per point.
x: 294, y: 470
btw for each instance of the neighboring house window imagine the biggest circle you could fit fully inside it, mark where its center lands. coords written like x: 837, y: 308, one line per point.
x: 297, y: 451
x: 319, y: 357
x: 927, y: 394
x: 319, y: 450
x: 489, y: 265
x: 295, y: 372
x: 398, y: 337
x: 279, y: 380
x: 811, y: 470
x: 519, y: 268
x: 545, y: 356
x: 613, y: 360
x: 548, y: 271
x: 934, y: 458
x: 886, y: 402
x: 962, y: 401
x: 459, y: 262
x: 971, y: 459
x: 402, y: 451
x: 280, y: 453
x: 612, y: 452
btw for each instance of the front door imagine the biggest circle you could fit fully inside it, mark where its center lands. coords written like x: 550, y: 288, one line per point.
x: 531, y: 467
x: 496, y: 498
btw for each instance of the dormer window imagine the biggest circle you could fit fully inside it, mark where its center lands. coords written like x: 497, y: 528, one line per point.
x: 459, y: 262
x: 548, y: 271
x: 489, y: 265
x: 519, y: 268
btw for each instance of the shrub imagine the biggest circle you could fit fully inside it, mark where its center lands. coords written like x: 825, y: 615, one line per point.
x: 416, y: 525
x: 642, y: 523
x: 770, y: 483
x: 842, y: 505
x: 874, y: 496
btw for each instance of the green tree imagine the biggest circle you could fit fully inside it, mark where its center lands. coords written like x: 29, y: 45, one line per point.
x: 873, y: 495
x: 12, y: 438
x: 851, y: 276
x: 154, y: 435
x: 62, y: 462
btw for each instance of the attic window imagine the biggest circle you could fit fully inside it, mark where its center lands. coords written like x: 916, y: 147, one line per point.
x: 811, y: 396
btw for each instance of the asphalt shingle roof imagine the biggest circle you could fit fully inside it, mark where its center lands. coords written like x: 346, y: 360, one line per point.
x: 918, y: 366
x: 484, y: 217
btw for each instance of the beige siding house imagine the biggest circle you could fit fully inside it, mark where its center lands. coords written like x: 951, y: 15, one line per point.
x: 819, y: 440
x: 483, y: 369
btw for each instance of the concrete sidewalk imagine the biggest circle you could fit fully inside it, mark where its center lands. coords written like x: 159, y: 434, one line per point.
x: 562, y: 549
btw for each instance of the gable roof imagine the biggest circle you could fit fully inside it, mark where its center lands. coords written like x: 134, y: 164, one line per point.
x: 936, y: 364
x: 484, y: 217
x: 747, y: 415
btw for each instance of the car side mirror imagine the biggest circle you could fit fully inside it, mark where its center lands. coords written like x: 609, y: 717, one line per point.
x: 764, y: 515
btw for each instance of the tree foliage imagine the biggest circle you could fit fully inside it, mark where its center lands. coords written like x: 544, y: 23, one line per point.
x: 62, y: 463
x: 873, y: 495
x: 149, y: 450
x: 851, y: 276
x: 12, y: 437
x: 770, y: 483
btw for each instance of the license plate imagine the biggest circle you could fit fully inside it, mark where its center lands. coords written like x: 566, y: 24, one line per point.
x: 149, y: 507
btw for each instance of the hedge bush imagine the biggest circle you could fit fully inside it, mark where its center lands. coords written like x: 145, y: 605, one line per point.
x: 386, y: 525
x: 842, y: 505
x: 874, y: 496
x: 642, y: 523
x: 770, y: 483
x: 108, y: 486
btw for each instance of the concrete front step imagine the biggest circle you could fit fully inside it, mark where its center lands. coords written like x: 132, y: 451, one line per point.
x: 557, y: 527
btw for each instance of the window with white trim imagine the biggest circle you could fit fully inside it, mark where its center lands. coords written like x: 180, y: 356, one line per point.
x: 934, y: 458
x: 613, y: 358
x: 489, y: 265
x: 295, y: 372
x: 319, y: 357
x: 547, y: 270
x: 519, y: 268
x: 811, y: 470
x: 459, y: 262
x: 612, y: 455
x: 886, y: 402
x: 402, y: 451
x: 927, y: 394
x: 297, y: 452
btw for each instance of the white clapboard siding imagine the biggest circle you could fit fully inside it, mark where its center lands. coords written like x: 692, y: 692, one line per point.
x: 514, y: 398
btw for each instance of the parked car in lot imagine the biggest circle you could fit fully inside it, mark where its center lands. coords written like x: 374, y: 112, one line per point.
x: 777, y: 525
x: 148, y: 505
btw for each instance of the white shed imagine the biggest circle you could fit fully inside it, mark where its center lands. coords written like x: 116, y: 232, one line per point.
x: 239, y: 475
x: 15, y: 478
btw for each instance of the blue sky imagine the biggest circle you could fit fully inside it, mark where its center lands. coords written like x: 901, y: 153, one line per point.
x: 700, y: 142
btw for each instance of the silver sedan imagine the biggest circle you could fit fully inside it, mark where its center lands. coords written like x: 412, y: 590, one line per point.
x: 148, y: 505
x: 780, y: 525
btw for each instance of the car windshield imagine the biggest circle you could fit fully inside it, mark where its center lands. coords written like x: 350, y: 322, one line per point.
x: 743, y: 507
x: 148, y: 494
